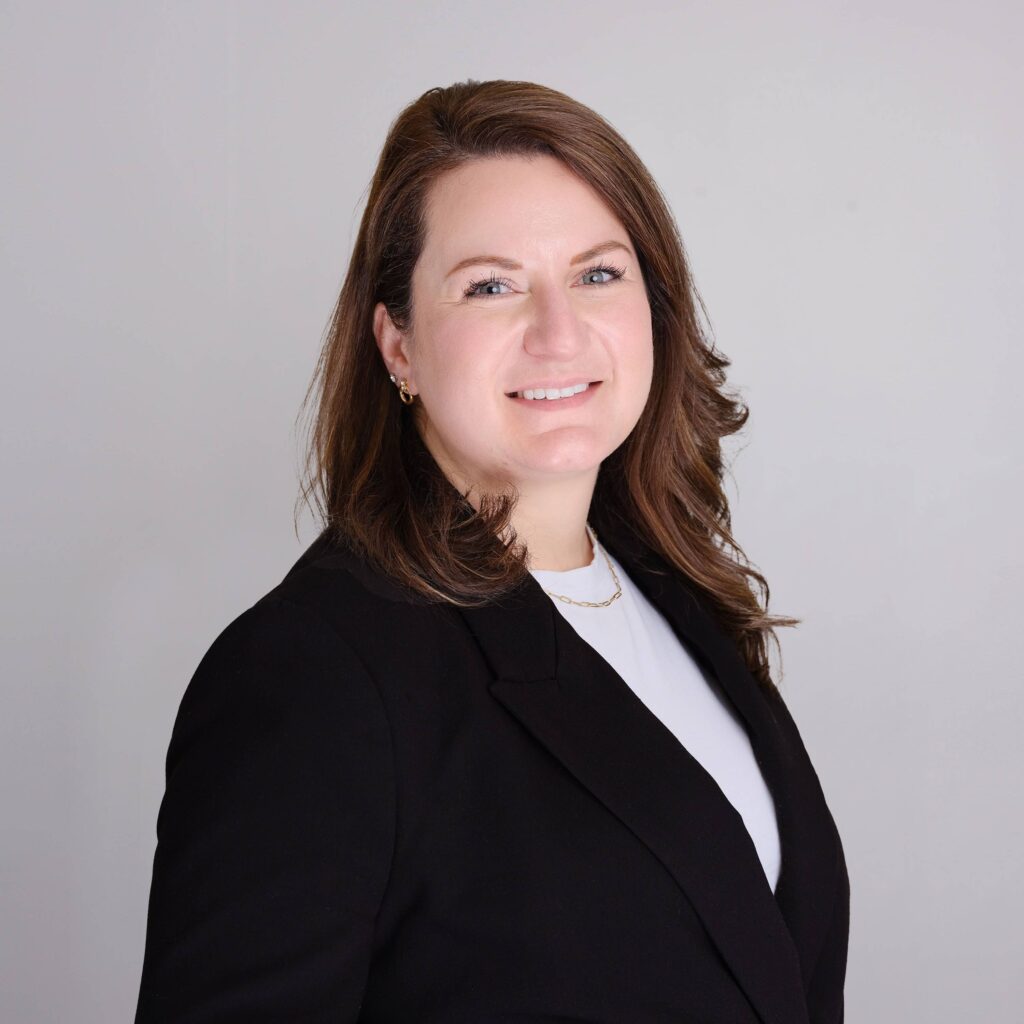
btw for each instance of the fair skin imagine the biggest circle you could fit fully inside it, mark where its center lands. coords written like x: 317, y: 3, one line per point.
x: 549, y: 319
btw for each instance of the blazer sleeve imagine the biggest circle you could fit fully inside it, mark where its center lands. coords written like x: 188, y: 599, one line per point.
x: 825, y: 999
x: 275, y: 831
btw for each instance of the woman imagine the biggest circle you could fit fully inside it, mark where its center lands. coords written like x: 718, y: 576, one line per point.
x: 503, y: 744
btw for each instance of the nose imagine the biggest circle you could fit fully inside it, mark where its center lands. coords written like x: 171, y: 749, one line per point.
x: 555, y: 329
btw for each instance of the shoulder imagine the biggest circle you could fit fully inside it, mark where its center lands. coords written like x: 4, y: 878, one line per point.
x: 326, y: 629
x: 290, y: 682
x: 336, y: 590
x: 276, y: 678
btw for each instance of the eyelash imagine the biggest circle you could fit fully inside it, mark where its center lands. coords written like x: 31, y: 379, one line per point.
x: 471, y: 293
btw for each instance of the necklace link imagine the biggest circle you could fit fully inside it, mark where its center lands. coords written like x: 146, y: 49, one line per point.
x: 615, y: 576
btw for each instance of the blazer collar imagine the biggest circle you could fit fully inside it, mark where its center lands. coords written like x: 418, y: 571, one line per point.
x: 577, y: 706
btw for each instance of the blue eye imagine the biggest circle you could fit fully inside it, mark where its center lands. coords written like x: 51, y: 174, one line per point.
x: 471, y: 292
x: 615, y: 273
x: 471, y: 289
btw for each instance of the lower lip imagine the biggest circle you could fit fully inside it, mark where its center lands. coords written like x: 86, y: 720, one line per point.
x: 551, y: 405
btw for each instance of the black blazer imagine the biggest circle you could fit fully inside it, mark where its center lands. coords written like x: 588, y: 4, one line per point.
x: 384, y: 810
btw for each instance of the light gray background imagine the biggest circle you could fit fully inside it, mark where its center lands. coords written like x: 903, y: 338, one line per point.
x: 182, y: 183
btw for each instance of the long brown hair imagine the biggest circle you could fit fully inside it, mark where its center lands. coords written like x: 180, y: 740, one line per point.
x: 377, y: 488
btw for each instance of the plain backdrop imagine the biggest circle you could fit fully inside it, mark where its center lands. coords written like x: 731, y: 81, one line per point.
x: 181, y: 188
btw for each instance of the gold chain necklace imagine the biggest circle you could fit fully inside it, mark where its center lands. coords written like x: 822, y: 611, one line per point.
x: 615, y: 576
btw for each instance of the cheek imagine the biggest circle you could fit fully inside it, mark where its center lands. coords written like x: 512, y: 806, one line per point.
x: 635, y: 346
x: 636, y: 363
x: 462, y: 382
x: 460, y: 364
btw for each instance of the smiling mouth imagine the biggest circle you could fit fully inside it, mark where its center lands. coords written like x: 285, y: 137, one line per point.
x: 552, y: 394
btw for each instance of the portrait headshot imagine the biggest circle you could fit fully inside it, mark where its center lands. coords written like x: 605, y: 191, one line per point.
x: 501, y: 528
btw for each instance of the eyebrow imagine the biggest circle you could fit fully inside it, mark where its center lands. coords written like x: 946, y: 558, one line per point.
x: 508, y: 264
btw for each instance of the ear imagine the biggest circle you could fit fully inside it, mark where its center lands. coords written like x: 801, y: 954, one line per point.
x: 393, y: 345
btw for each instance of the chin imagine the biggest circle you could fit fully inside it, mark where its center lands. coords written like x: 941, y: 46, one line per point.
x: 559, y: 466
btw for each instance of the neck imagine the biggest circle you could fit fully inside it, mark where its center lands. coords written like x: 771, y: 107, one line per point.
x: 557, y: 545
x: 551, y: 519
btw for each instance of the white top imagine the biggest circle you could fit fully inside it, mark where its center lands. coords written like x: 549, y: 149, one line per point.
x: 637, y: 641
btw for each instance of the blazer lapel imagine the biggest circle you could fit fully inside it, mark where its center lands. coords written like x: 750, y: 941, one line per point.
x: 810, y: 847
x: 575, y: 704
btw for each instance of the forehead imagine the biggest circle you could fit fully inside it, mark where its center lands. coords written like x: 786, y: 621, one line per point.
x: 535, y: 204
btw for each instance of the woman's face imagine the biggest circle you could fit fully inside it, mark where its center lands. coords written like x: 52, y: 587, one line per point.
x: 526, y: 279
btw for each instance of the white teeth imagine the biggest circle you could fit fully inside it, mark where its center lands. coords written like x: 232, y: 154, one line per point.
x: 554, y: 393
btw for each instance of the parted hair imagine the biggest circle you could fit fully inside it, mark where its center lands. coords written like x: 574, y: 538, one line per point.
x: 370, y: 479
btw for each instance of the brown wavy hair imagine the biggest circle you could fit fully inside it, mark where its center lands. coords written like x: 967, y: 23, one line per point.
x: 368, y: 475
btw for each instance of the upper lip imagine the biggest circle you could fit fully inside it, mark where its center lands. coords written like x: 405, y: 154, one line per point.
x: 564, y: 383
